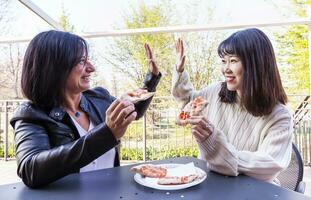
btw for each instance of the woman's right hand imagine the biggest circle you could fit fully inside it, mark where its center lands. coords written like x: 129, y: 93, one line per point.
x: 119, y: 115
x: 152, y: 65
x: 201, y: 128
x: 180, y: 57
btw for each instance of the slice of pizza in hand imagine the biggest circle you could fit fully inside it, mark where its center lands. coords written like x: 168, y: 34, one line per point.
x: 193, y: 108
x: 197, y: 106
x: 138, y: 95
x: 151, y: 171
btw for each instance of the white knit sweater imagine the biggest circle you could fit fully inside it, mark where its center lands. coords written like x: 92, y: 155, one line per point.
x: 241, y: 143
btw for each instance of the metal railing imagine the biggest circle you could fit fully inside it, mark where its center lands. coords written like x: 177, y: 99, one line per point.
x: 302, y: 126
x: 156, y: 136
x: 7, y: 145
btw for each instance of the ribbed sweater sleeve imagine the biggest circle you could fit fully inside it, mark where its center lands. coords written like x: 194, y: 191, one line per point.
x: 183, y: 90
x: 272, y: 156
x: 241, y: 143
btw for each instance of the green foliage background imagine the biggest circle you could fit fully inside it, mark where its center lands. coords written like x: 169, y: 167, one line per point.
x: 157, y: 154
x: 294, y: 53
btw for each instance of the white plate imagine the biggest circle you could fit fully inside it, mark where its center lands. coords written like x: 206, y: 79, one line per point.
x: 152, y: 182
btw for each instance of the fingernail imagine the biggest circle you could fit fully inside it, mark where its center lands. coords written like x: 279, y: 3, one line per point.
x: 135, y: 114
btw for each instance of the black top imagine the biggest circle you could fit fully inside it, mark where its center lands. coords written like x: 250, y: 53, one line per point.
x: 118, y: 183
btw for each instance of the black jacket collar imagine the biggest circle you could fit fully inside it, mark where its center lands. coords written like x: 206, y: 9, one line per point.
x: 58, y: 112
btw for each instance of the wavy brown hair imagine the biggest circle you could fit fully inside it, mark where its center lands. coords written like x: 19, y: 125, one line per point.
x: 261, y: 86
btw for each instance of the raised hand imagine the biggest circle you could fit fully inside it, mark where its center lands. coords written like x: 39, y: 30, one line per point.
x: 152, y: 65
x: 180, y: 57
x: 119, y: 115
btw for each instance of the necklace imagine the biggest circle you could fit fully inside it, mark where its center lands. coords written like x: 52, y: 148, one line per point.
x: 77, y: 114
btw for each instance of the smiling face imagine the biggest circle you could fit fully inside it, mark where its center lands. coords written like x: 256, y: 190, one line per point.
x: 232, y: 69
x: 79, y: 77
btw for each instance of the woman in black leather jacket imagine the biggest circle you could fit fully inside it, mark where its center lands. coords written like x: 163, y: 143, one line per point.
x: 65, y: 127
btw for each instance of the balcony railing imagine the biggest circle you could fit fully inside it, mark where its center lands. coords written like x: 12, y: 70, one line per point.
x: 156, y: 135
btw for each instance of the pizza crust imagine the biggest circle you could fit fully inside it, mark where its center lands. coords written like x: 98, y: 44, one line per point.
x: 193, y: 108
x: 154, y: 171
x: 149, y: 170
x: 138, y: 95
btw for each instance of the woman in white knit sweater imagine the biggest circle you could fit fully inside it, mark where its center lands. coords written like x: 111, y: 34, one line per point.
x: 246, y: 128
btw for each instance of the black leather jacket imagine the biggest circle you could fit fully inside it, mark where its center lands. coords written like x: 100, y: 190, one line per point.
x: 48, y: 145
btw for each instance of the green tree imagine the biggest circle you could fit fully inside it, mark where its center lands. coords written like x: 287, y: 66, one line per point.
x: 64, y: 21
x: 202, y: 60
x: 128, y: 57
x: 294, y: 53
x: 127, y: 54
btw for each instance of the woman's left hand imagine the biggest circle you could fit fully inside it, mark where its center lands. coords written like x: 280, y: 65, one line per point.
x: 152, y: 65
x: 201, y: 128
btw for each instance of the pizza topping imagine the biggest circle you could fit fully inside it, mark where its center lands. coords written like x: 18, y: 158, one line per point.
x: 138, y: 95
x: 151, y: 171
x: 184, y: 115
x: 177, y: 180
x: 166, y: 175
x: 193, y: 108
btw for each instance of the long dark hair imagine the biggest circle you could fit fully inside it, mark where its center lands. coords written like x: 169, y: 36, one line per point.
x: 261, y: 86
x: 48, y: 60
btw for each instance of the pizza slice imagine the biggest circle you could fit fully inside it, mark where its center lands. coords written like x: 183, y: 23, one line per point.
x: 150, y: 170
x: 138, y: 95
x: 193, y: 108
x: 177, y: 180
